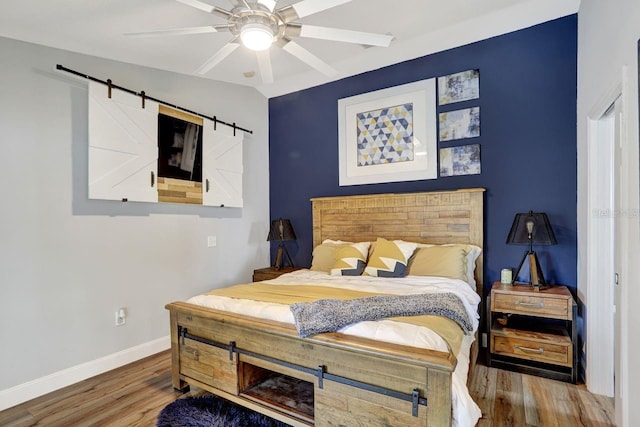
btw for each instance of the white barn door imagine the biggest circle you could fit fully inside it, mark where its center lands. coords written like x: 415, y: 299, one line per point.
x: 221, y: 166
x: 123, y: 146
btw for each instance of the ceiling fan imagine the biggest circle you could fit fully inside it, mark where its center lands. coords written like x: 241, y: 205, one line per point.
x: 257, y: 24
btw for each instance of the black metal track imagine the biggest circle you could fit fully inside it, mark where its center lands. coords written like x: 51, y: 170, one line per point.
x: 144, y: 96
x: 320, y: 372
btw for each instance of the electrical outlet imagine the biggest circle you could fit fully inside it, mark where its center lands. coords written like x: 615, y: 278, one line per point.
x: 121, y: 317
x: 211, y: 241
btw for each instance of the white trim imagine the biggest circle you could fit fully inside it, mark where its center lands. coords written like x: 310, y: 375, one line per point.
x: 24, y: 392
x: 599, y: 363
x: 599, y: 242
x: 606, y: 101
x: 628, y: 159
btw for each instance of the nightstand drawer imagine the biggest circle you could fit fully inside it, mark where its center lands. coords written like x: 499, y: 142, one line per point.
x: 536, y: 346
x: 557, y: 308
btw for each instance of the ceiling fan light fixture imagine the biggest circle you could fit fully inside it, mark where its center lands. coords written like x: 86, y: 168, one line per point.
x: 256, y: 36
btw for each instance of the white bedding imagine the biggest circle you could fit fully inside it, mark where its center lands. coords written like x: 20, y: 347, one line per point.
x: 465, y: 411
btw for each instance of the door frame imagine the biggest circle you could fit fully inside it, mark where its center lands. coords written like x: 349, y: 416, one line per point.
x: 600, y: 238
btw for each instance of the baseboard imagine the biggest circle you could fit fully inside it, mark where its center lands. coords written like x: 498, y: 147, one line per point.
x: 24, y: 392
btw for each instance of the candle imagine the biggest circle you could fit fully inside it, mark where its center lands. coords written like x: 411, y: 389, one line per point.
x: 506, y: 275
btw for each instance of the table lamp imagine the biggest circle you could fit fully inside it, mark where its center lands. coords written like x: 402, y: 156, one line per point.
x: 531, y: 228
x: 281, y: 231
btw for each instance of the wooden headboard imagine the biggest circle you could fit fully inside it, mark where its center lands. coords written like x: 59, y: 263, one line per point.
x: 433, y: 217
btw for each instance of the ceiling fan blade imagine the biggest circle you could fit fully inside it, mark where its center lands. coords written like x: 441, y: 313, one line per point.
x: 221, y: 54
x: 264, y: 62
x: 181, y: 31
x: 207, y: 8
x: 339, y: 35
x: 269, y: 4
x: 198, y: 5
x: 308, y: 58
x: 308, y: 7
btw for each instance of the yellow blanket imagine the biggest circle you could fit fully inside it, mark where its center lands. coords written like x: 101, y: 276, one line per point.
x: 289, y: 294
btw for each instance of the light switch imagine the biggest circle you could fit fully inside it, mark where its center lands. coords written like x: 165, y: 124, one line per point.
x: 211, y: 241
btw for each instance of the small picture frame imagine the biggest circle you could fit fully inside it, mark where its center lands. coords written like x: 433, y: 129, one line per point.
x: 459, y: 124
x: 460, y: 160
x: 458, y: 87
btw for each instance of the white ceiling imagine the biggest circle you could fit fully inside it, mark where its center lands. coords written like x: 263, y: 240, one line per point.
x: 419, y: 27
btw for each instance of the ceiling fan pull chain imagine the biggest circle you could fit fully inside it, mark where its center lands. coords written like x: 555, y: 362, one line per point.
x: 144, y: 97
x: 109, y: 88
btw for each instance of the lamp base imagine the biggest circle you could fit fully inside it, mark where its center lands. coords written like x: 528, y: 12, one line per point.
x: 282, y: 252
x: 536, y: 288
x: 535, y: 272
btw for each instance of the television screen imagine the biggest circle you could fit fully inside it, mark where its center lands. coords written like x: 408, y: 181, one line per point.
x: 179, y: 149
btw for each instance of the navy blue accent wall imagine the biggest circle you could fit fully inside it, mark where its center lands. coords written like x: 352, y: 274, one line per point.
x: 527, y: 102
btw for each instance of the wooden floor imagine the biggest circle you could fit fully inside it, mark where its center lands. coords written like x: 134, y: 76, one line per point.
x: 512, y: 399
x: 129, y: 396
x: 134, y: 395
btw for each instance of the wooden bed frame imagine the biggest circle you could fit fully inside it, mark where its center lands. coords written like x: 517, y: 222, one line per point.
x: 332, y: 379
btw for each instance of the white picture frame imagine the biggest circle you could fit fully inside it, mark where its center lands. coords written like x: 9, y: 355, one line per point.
x: 422, y: 164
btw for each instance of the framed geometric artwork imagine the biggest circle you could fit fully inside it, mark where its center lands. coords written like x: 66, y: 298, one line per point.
x: 460, y: 124
x: 460, y: 160
x: 388, y: 135
x: 459, y: 87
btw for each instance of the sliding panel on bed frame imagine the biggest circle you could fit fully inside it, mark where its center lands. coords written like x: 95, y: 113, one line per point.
x: 351, y: 377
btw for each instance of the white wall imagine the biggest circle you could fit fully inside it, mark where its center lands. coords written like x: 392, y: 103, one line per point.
x: 608, y: 34
x: 66, y: 262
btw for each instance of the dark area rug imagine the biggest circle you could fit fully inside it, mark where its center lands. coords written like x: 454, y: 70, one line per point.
x: 211, y: 411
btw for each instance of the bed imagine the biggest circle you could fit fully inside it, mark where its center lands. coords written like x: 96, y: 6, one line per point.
x: 401, y: 374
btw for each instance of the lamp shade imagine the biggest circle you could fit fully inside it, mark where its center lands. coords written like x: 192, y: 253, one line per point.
x: 531, y: 228
x: 281, y: 229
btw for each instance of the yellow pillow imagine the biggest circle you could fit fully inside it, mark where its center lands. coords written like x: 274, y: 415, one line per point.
x: 389, y: 259
x: 441, y: 261
x: 324, y: 255
x: 350, y: 260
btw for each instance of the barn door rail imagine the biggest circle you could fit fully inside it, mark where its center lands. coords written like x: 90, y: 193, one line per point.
x: 110, y: 85
x: 320, y: 372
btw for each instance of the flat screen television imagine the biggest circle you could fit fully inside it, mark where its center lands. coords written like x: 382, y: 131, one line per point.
x: 179, y: 149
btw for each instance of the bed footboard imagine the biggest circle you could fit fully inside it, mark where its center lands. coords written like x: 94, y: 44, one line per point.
x: 326, y: 380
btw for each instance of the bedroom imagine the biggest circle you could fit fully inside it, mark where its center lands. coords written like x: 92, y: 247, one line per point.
x: 68, y: 263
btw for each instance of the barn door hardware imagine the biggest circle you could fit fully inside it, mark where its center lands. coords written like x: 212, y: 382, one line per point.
x: 320, y: 372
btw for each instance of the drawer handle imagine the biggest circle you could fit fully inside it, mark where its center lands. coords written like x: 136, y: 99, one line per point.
x: 531, y: 304
x: 529, y: 350
x: 193, y: 352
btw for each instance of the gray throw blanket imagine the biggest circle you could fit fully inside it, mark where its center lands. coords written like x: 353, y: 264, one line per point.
x: 329, y: 315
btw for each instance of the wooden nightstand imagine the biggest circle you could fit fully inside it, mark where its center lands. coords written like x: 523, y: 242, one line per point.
x: 271, y: 273
x: 533, y: 332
